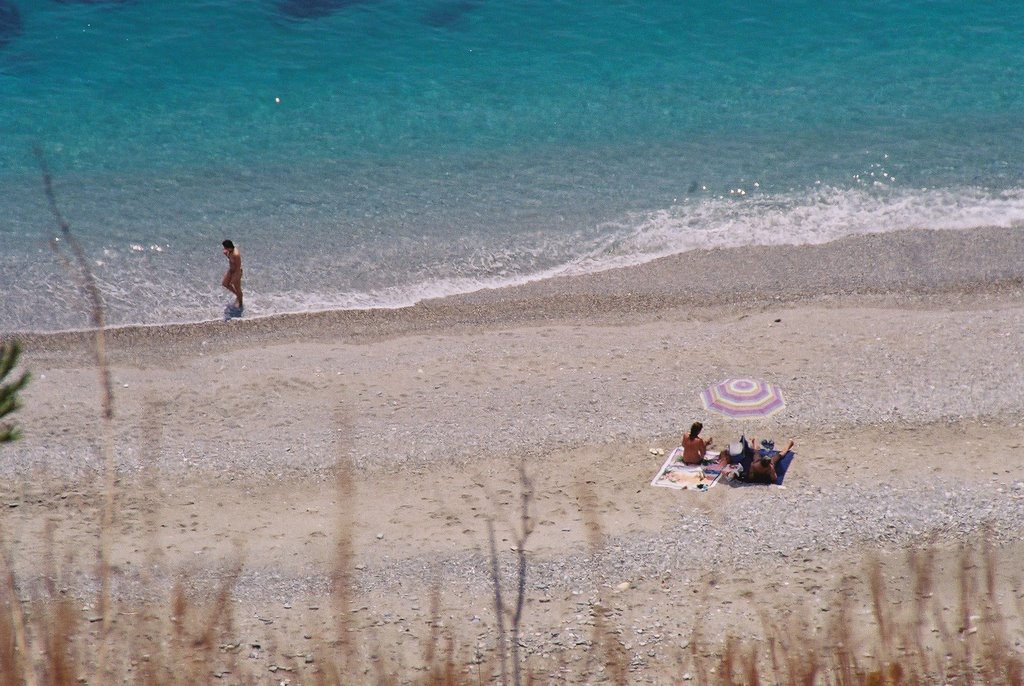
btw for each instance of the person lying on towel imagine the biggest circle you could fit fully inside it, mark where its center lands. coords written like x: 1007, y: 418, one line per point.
x: 761, y: 466
x: 764, y: 466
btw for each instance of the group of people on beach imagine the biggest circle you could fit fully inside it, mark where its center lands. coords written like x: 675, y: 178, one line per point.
x: 759, y: 465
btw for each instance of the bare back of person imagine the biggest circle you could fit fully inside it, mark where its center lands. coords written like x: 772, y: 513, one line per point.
x: 694, y: 447
x: 694, y: 450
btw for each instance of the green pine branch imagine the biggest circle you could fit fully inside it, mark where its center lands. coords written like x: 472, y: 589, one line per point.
x: 9, y: 402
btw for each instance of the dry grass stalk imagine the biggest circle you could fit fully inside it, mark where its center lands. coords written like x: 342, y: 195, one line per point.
x: 968, y: 594
x: 841, y: 640
x: 595, y: 540
x: 57, y: 623
x: 79, y: 265
x: 880, y: 608
x: 526, y: 524
x: 15, y: 665
x: 185, y: 650
x: 499, y: 603
x: 342, y: 575
x: 792, y: 649
x: 607, y: 651
x: 508, y: 635
x: 700, y: 666
x: 921, y: 563
x: 1000, y: 661
x: 438, y: 660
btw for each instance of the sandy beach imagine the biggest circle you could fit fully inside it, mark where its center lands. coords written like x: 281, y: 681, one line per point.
x: 268, y: 447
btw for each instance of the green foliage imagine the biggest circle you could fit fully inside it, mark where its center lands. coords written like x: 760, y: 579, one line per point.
x: 9, y: 354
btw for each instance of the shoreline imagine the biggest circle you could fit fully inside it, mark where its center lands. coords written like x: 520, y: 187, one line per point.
x: 897, y: 268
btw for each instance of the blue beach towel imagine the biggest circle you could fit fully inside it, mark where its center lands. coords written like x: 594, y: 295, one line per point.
x: 782, y: 466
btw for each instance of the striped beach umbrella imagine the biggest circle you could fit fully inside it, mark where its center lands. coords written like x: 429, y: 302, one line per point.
x: 743, y: 398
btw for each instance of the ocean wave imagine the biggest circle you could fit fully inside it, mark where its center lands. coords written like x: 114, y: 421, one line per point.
x: 157, y: 286
x: 823, y: 215
x: 820, y: 216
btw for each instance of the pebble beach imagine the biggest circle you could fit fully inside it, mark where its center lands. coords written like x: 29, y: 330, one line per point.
x: 267, y: 443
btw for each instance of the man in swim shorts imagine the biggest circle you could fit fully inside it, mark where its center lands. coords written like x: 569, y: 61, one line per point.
x: 233, y: 277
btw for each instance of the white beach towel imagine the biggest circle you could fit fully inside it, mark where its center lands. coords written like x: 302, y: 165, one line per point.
x: 684, y: 477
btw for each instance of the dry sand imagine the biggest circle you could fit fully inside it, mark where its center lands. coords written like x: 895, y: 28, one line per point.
x: 267, y: 443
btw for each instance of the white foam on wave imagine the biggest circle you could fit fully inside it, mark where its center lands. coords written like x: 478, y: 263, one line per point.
x: 704, y: 223
x: 797, y: 219
x: 148, y: 286
x: 394, y: 297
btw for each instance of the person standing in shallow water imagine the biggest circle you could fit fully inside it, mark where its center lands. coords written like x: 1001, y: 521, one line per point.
x: 233, y: 277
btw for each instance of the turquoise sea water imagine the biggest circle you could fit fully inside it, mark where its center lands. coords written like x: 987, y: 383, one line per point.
x: 385, y: 151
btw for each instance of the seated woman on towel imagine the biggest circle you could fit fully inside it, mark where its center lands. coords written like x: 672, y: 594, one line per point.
x: 695, y: 447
